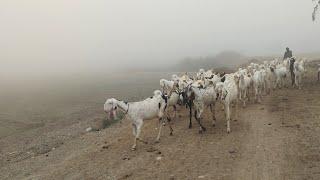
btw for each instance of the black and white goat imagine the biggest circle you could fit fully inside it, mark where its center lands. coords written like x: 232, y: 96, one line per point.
x: 202, y: 98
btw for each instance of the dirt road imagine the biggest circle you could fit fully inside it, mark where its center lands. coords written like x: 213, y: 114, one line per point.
x: 277, y: 139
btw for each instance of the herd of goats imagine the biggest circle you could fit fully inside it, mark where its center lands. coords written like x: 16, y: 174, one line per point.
x: 207, y: 88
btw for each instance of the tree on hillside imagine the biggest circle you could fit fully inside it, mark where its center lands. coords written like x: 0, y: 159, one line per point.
x: 315, y: 9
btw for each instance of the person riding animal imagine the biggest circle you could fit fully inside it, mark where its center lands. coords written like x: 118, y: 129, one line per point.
x: 292, y: 59
x: 287, y: 54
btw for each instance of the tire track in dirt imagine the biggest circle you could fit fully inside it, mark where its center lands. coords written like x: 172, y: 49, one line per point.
x: 288, y: 146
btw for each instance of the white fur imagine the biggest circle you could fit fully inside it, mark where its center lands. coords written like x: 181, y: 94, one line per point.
x: 228, y: 93
x: 200, y: 74
x: 270, y: 80
x: 167, y: 86
x: 257, y: 84
x: 244, y: 87
x: 298, y: 71
x: 137, y: 112
x: 173, y: 100
x: 281, y: 73
x: 214, y: 80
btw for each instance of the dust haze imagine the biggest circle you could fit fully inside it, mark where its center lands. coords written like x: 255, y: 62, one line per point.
x: 61, y: 59
x: 64, y: 37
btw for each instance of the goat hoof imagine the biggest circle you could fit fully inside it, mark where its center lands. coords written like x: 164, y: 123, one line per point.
x: 190, y: 126
x: 144, y: 142
x: 200, y: 131
x: 171, y: 134
x: 157, y: 141
x: 228, y: 131
x: 213, y: 125
x: 204, y: 129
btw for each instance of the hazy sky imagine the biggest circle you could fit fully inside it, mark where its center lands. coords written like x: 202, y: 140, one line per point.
x: 64, y: 34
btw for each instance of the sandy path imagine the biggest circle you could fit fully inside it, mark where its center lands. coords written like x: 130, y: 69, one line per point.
x: 278, y: 139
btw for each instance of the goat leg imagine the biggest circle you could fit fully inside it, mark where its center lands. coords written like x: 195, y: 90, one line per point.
x: 134, y: 130
x: 212, y: 108
x: 198, y: 120
x: 175, y: 111
x: 190, y: 115
x: 227, y: 109
x: 134, y: 146
x: 143, y: 141
x: 138, y: 125
x: 159, y: 133
x: 169, y: 122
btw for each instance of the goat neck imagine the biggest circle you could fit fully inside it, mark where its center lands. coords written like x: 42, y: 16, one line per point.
x: 123, y: 105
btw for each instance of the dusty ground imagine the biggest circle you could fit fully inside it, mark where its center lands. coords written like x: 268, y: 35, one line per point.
x: 277, y: 139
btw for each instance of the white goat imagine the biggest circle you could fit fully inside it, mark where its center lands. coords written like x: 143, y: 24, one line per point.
x: 255, y: 65
x: 200, y: 74
x: 244, y: 86
x: 175, y: 78
x: 270, y: 79
x: 139, y: 111
x: 250, y: 69
x: 281, y: 74
x: 208, y: 74
x: 257, y: 85
x: 227, y: 92
x: 298, y: 72
x: 213, y: 80
x: 264, y: 78
x: 173, y: 100
x: 167, y: 86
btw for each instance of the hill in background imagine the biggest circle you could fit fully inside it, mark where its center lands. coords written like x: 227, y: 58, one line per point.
x: 225, y: 59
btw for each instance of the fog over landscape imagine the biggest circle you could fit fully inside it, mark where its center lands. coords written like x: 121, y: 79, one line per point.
x: 80, y: 79
x: 60, y: 36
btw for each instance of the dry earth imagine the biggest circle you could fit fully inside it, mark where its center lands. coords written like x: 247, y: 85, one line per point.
x: 277, y: 139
